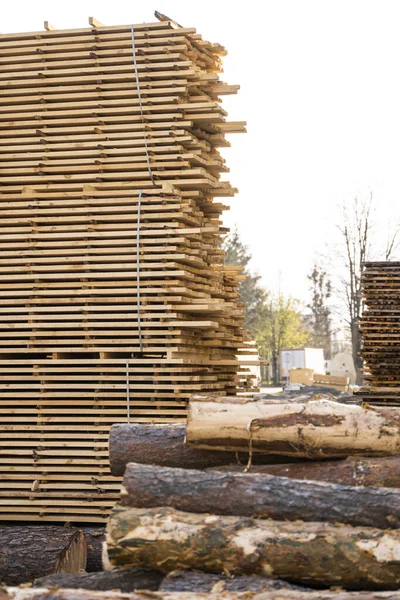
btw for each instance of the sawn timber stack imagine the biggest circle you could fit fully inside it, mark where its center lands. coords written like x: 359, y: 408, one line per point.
x: 380, y: 329
x: 115, y: 304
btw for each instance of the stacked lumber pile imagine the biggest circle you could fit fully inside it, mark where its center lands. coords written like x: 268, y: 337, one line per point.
x: 115, y: 304
x: 324, y: 523
x: 380, y: 333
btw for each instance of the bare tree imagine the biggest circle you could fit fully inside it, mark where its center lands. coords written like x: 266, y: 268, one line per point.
x: 357, y: 233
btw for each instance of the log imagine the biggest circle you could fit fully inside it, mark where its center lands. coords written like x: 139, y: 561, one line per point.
x: 196, y: 581
x: 317, y: 429
x: 260, y: 496
x: 375, y: 472
x: 124, y: 580
x: 319, y: 553
x: 33, y: 551
x: 95, y: 536
x: 71, y: 594
x: 164, y: 445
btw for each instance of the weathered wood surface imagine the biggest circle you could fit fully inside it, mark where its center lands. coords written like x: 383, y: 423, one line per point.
x: 196, y: 581
x: 27, y: 553
x: 95, y: 536
x: 317, y: 429
x: 321, y: 553
x: 376, y: 472
x: 124, y: 580
x: 260, y: 496
x: 164, y: 445
x: 71, y: 594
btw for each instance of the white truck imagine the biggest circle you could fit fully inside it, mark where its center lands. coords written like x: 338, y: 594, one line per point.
x: 302, y: 358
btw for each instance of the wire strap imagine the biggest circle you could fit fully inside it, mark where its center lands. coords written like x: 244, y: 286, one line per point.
x: 138, y: 270
x: 128, y: 396
x: 140, y: 105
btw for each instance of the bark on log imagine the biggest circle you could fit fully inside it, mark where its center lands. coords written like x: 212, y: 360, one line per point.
x: 318, y: 553
x: 195, y: 581
x: 317, y: 429
x: 375, y: 472
x: 95, y: 536
x: 27, y: 553
x: 124, y: 580
x: 260, y: 496
x: 163, y: 445
x: 71, y: 594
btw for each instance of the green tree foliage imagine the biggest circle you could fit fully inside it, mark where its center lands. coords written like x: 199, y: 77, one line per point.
x: 320, y: 319
x: 252, y: 294
x: 283, y: 328
x: 274, y: 322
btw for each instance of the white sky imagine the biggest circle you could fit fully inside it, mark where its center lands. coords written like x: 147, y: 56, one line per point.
x: 320, y: 92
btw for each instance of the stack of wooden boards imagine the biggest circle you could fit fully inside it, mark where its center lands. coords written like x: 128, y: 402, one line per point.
x: 115, y: 304
x: 380, y: 329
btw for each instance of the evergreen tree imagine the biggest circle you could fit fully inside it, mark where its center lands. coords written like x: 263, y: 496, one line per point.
x: 320, y: 319
x: 252, y: 294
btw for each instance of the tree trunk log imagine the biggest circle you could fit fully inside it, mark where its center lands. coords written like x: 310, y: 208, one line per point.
x: 306, y: 553
x: 71, y: 594
x: 124, y: 580
x: 27, y: 553
x: 260, y: 496
x: 164, y: 445
x: 195, y: 581
x: 375, y: 472
x: 95, y: 536
x: 317, y: 429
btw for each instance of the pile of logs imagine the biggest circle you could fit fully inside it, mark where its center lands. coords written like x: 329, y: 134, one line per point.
x: 264, y: 493
x: 249, y: 499
x: 115, y: 304
x: 380, y: 334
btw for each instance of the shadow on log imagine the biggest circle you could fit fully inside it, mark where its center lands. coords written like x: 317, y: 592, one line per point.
x: 95, y: 536
x: 195, y: 581
x: 68, y: 594
x: 163, y: 445
x: 33, y: 551
x: 319, y: 554
x: 124, y: 580
x: 375, y: 472
x: 260, y: 496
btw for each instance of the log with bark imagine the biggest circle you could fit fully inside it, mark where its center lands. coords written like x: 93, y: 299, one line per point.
x: 13, y: 593
x: 124, y: 580
x: 319, y: 554
x: 95, y: 536
x: 164, y: 445
x: 196, y: 581
x: 33, y: 551
x: 376, y: 472
x: 260, y: 496
x: 317, y: 429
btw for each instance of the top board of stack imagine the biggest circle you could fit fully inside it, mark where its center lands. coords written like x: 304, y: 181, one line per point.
x: 115, y: 304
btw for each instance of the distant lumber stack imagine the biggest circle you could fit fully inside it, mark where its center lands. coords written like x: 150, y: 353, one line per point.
x: 115, y: 304
x: 381, y: 334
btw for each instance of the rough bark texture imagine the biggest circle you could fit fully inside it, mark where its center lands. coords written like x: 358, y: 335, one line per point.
x: 318, y: 553
x: 27, y: 553
x: 68, y: 594
x: 95, y: 536
x: 260, y: 496
x: 195, y: 581
x: 124, y: 580
x: 164, y: 445
x: 375, y: 472
x: 317, y: 429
